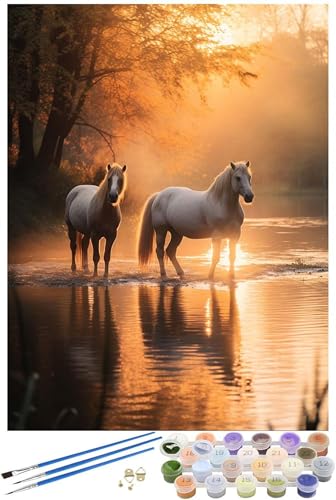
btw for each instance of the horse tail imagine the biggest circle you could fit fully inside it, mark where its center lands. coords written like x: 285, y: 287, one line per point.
x: 146, y: 232
x: 79, y: 247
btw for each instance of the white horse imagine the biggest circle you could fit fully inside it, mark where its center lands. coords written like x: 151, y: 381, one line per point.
x: 94, y: 212
x: 215, y: 213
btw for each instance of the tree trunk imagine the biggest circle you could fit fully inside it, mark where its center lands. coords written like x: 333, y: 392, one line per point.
x: 26, y: 149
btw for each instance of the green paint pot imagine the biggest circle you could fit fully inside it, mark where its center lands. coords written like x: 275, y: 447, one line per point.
x: 246, y: 485
x: 171, y: 470
x: 276, y: 485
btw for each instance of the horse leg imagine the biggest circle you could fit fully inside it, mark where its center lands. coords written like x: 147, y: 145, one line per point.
x: 85, y: 244
x: 171, y: 251
x: 107, y: 254
x: 232, y: 247
x: 73, y: 245
x: 96, y: 256
x: 216, y: 247
x: 160, y: 241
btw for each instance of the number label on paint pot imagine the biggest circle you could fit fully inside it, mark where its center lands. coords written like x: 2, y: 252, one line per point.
x: 185, y: 480
x: 220, y: 452
x: 275, y: 453
x: 262, y: 464
x: 247, y: 452
x: 246, y: 479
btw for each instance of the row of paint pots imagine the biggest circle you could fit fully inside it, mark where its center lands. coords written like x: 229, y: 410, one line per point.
x: 246, y: 485
x: 234, y: 441
x: 261, y: 467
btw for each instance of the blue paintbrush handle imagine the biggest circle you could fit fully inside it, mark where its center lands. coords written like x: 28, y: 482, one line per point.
x: 98, y: 457
x: 55, y: 460
x: 90, y: 467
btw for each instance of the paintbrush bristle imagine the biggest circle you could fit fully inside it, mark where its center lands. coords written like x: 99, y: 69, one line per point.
x: 5, y: 475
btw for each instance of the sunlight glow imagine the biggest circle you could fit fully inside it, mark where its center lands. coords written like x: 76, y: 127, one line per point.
x: 241, y: 256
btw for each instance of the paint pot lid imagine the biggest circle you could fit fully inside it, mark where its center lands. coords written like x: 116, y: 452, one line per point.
x: 261, y: 440
x: 276, y: 483
x: 246, y: 483
x: 318, y: 440
x: 292, y: 467
x: 215, y: 483
x: 170, y: 448
x: 232, y: 467
x: 233, y: 440
x: 307, y: 483
x: 218, y: 455
x: 180, y: 438
x: 202, y: 447
x: 208, y: 436
x: 185, y: 484
x: 171, y: 468
x: 323, y: 466
x: 201, y: 466
x: 247, y: 454
x: 187, y: 456
x: 262, y: 466
x: 277, y: 454
x: 306, y: 453
x: 290, y: 441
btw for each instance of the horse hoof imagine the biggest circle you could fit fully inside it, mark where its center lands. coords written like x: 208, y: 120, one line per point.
x: 105, y: 275
x: 181, y: 275
x: 73, y: 269
x: 211, y: 277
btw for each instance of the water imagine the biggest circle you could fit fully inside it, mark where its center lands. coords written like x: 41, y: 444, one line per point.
x: 132, y: 352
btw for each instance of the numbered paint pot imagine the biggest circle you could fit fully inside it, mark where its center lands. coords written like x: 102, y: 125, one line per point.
x: 323, y: 468
x: 277, y: 454
x: 185, y: 486
x: 218, y: 455
x: 306, y: 454
x: 208, y: 436
x: 290, y: 442
x: 215, y: 486
x: 188, y: 457
x: 202, y: 448
x: 307, y: 485
x: 262, y: 467
x: 246, y: 485
x: 172, y: 446
x: 201, y: 470
x: 231, y: 468
x: 171, y: 470
x: 276, y: 485
x: 246, y: 455
x: 233, y: 441
x: 320, y: 442
x: 292, y: 467
x: 262, y: 442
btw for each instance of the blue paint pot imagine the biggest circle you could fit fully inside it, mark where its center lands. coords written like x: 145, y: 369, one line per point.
x: 307, y: 485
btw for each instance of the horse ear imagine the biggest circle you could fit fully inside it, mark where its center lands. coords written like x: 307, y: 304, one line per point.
x: 248, y: 163
x: 108, y: 168
x: 124, y: 168
x: 233, y: 166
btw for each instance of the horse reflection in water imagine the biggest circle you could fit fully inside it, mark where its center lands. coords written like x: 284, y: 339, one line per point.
x: 213, y: 336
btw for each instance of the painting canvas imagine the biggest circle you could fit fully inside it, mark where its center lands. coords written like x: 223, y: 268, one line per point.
x: 167, y: 199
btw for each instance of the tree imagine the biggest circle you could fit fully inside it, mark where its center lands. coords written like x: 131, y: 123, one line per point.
x: 60, y: 54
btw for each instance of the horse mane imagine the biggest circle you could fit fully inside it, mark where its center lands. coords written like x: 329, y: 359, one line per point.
x: 221, y: 184
x: 102, y: 190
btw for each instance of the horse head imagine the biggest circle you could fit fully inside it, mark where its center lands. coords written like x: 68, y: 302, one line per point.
x: 241, y: 180
x: 116, y: 182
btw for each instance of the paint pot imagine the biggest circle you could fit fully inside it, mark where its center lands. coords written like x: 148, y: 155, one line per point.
x: 261, y: 441
x: 276, y: 485
x: 231, y: 468
x: 292, y: 467
x: 320, y: 442
x: 246, y: 485
x: 277, y: 454
x: 247, y: 454
x: 172, y: 446
x: 185, y: 486
x: 171, y: 470
x: 202, y: 448
x: 208, y: 436
x: 307, y: 485
x: 188, y: 457
x: 201, y: 470
x: 262, y: 467
x: 306, y: 454
x: 215, y: 485
x: 290, y: 441
x: 323, y: 468
x: 233, y: 441
x: 218, y: 455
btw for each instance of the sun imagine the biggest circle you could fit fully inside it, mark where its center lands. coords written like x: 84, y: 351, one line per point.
x: 224, y: 35
x: 241, y: 256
